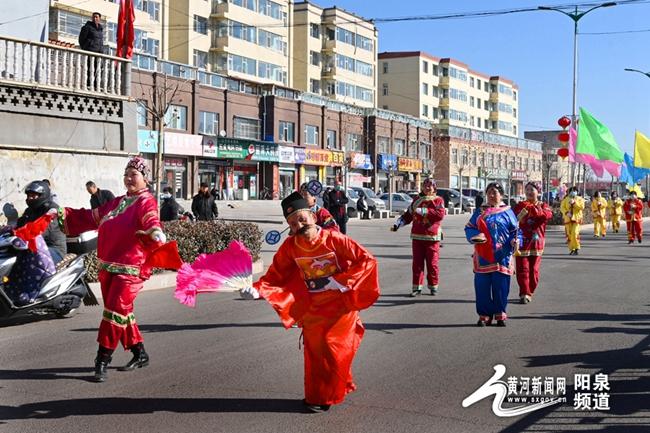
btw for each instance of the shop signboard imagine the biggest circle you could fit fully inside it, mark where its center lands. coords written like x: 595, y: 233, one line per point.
x: 317, y: 157
x: 409, y: 165
x: 300, y: 155
x: 387, y: 161
x: 338, y: 158
x: 286, y: 155
x: 183, y: 144
x: 519, y: 175
x: 360, y: 160
x: 234, y: 148
x: 147, y: 141
x: 210, y: 146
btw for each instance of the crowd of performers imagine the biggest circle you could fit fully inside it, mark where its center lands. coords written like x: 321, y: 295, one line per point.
x: 320, y: 278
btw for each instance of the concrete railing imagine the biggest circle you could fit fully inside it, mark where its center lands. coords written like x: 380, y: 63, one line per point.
x: 42, y: 64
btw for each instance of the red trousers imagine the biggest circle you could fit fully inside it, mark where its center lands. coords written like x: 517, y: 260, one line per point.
x: 634, y: 230
x: 425, y: 252
x: 528, y: 274
x: 118, y: 322
x: 332, y: 335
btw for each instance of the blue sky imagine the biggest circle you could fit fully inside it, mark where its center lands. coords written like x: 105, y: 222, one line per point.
x: 535, y: 50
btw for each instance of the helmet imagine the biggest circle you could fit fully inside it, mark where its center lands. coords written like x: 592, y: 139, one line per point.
x: 42, y: 189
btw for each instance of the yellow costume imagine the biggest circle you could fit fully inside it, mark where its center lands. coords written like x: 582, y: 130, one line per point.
x: 571, y: 208
x: 599, y: 212
x: 615, y: 212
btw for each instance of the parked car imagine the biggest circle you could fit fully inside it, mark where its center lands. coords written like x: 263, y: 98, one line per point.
x: 374, y: 203
x: 401, y: 201
x: 352, y: 200
x: 411, y: 193
x: 453, y: 196
x: 471, y: 192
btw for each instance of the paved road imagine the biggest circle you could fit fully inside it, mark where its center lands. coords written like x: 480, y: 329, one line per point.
x: 228, y: 366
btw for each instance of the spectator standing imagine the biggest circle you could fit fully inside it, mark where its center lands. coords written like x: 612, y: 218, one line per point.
x: 338, y: 206
x: 98, y: 196
x: 91, y: 36
x: 362, y: 206
x: 170, y: 210
x: 204, y: 207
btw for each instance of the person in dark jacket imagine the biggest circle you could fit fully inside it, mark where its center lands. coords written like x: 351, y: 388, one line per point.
x: 478, y: 200
x: 91, y: 36
x: 98, y: 196
x: 39, y: 201
x: 204, y: 206
x: 170, y: 210
x: 338, y: 206
x: 362, y: 206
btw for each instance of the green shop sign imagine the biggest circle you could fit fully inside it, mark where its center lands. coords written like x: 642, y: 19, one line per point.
x: 234, y: 148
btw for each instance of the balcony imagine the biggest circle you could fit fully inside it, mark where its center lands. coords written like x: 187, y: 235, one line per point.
x: 329, y: 72
x: 35, y: 64
x: 219, y: 8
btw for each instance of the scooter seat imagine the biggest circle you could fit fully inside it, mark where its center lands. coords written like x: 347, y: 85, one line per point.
x: 65, y: 261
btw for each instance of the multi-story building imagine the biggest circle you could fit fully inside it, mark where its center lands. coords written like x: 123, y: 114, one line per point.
x: 447, y: 92
x: 335, y: 54
x: 557, y: 171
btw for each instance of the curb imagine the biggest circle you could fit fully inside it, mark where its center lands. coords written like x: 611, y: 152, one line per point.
x: 167, y: 279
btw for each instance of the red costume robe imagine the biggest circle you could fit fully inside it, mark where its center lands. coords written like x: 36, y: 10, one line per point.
x: 324, y: 218
x: 634, y: 218
x: 532, y: 228
x: 425, y: 214
x: 124, y: 227
x: 331, y: 327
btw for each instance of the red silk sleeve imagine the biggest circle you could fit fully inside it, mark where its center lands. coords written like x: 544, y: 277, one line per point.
x: 73, y: 222
x: 436, y: 213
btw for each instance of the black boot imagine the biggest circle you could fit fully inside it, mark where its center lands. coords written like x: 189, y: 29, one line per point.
x: 101, y: 364
x: 140, y: 358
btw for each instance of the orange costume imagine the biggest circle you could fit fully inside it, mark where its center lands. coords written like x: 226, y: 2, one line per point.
x: 633, y: 210
x: 321, y: 286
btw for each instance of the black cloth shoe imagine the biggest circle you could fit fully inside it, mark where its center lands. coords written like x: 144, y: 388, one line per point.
x: 639, y: 240
x: 101, y: 364
x: 501, y: 323
x: 140, y: 359
x: 316, y: 408
x: 630, y: 241
x: 415, y: 293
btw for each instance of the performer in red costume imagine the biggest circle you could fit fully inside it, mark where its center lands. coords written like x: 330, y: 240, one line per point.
x: 129, y: 231
x: 633, y: 210
x: 533, y: 216
x: 320, y: 279
x: 426, y: 213
x: 324, y: 218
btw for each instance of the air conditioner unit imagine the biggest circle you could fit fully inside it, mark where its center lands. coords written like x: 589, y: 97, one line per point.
x: 327, y: 70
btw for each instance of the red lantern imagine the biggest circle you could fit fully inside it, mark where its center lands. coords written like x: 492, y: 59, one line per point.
x: 564, y: 122
x: 563, y: 152
x: 563, y: 137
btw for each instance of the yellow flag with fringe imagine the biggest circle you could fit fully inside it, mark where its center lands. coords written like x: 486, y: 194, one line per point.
x: 641, y: 150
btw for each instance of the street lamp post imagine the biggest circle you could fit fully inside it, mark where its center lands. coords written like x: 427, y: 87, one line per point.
x: 576, y: 15
x: 647, y: 179
x: 390, y: 167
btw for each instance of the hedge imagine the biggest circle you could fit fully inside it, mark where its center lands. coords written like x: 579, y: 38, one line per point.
x: 587, y: 216
x: 199, y: 237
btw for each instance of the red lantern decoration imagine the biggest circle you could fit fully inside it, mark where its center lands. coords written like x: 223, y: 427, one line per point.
x: 564, y: 122
x: 563, y: 137
x: 563, y: 152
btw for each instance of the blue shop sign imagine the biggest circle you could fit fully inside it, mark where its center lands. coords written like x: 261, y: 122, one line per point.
x: 147, y: 141
x: 360, y: 160
x: 387, y: 161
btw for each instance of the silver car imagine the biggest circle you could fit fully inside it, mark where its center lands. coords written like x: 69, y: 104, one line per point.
x: 374, y: 203
x: 401, y: 201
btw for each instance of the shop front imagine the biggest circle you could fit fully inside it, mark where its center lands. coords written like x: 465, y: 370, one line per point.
x: 519, y: 179
x: 360, y: 164
x: 178, y: 150
x: 408, y: 176
x: 386, y: 169
x: 316, y: 164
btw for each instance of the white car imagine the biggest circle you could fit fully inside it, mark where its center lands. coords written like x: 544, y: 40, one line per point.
x: 401, y: 201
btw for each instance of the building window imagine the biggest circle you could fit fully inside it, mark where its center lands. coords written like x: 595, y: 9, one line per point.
x: 425, y: 110
x: 424, y: 150
x: 383, y: 144
x: 314, y: 58
x: 413, y: 149
x: 471, y: 101
x: 287, y: 133
x: 354, y: 143
x: 384, y: 89
x: 434, y: 112
x: 399, y: 147
x: 314, y: 86
x: 435, y: 70
x: 176, y: 117
x: 471, y: 120
x: 331, y: 139
x: 200, y: 59
x: 425, y: 67
x: 514, y: 112
x: 142, y: 113
x: 247, y: 128
x: 454, y: 156
x: 486, y: 105
x: 208, y: 122
x: 314, y: 30
x: 486, y: 86
x: 514, y: 130
x: 514, y: 95
x: 478, y: 83
x: 200, y: 25
x: 384, y: 107
x: 311, y: 134
x: 425, y: 89
x: 471, y: 82
x: 385, y: 67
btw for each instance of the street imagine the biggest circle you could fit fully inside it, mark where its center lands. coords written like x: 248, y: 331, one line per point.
x: 229, y: 366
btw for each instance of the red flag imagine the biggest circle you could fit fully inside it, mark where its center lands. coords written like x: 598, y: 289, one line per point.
x: 484, y: 249
x: 125, y: 32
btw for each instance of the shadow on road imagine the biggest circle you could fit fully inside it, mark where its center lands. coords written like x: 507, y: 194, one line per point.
x: 57, y: 409
x: 628, y: 373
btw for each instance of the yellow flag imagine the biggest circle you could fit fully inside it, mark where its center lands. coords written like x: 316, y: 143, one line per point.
x: 641, y: 150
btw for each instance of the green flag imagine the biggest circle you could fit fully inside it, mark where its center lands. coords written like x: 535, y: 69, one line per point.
x: 596, y: 139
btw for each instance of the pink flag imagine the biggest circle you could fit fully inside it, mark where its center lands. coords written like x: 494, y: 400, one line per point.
x: 597, y: 166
